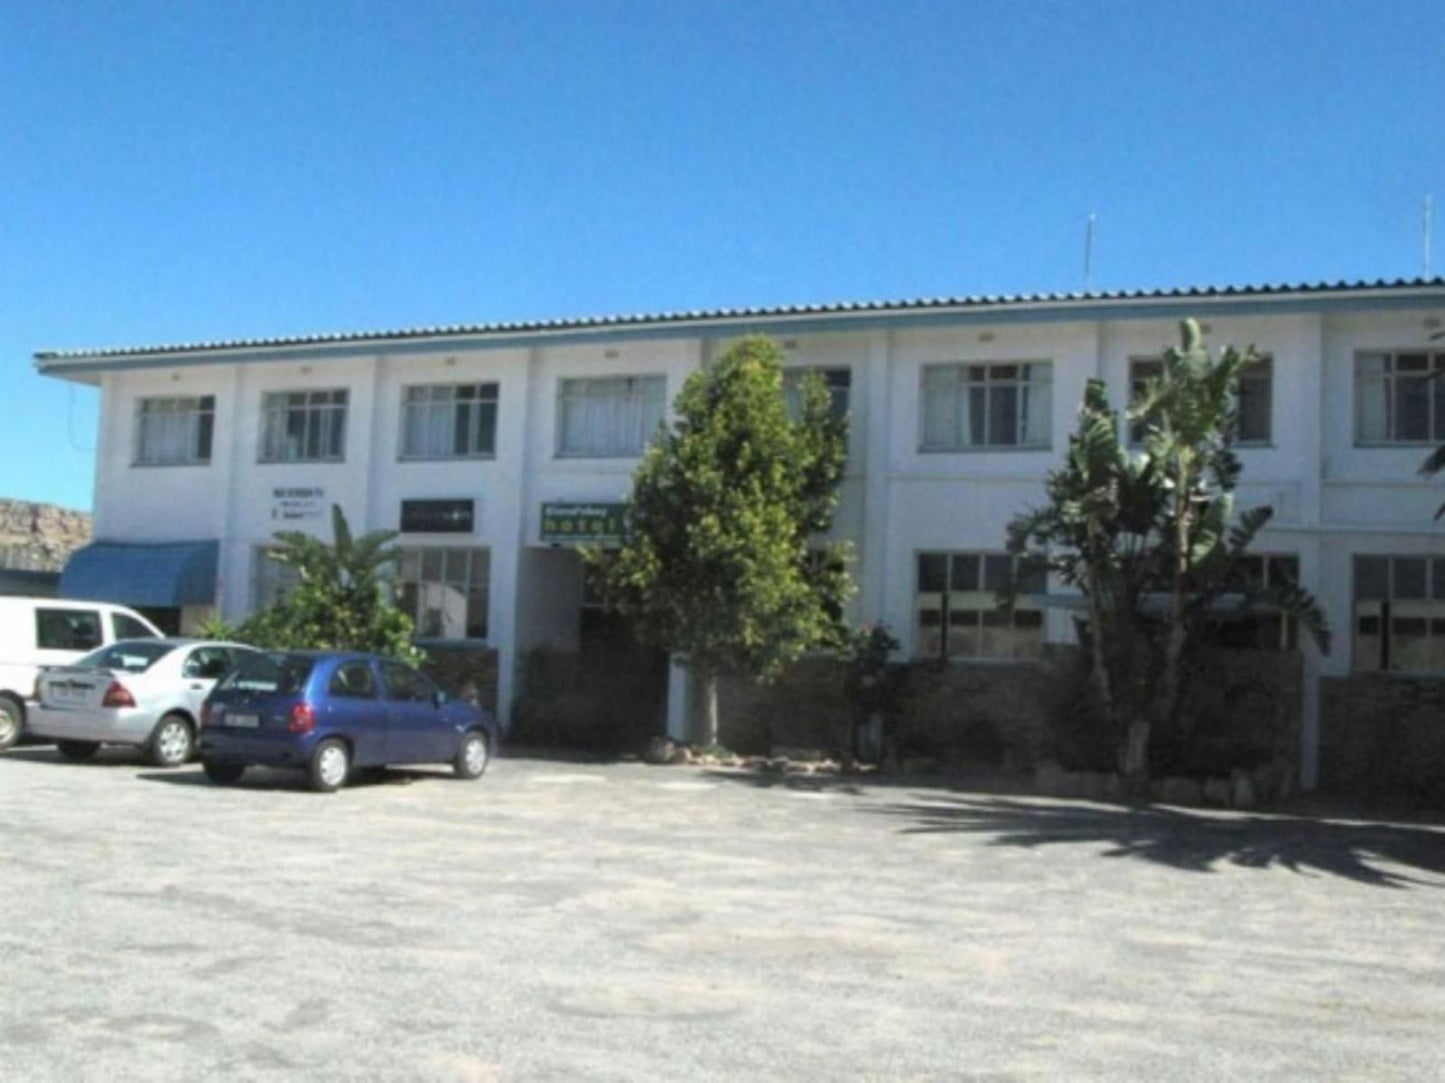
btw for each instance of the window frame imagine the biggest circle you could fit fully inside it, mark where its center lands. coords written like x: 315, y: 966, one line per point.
x: 416, y: 609
x: 964, y: 381
x: 1135, y: 429
x: 642, y: 381
x: 1434, y: 380
x: 481, y: 387
x: 1030, y: 602
x: 836, y: 378
x: 200, y: 421
x: 284, y: 578
x: 1428, y: 608
x: 325, y: 414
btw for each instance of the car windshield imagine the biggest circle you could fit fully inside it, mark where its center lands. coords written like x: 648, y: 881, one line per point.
x: 282, y: 674
x: 132, y: 656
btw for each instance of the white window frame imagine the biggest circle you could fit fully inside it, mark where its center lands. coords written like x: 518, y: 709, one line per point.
x: 323, y: 411
x: 644, y: 394
x: 977, y: 599
x: 1367, y: 385
x: 1033, y: 411
x: 837, y: 378
x: 442, y: 403
x: 460, y: 572
x: 1261, y: 372
x: 193, y: 415
x: 1396, y: 606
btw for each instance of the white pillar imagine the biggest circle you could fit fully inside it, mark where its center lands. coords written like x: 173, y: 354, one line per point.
x: 678, y: 698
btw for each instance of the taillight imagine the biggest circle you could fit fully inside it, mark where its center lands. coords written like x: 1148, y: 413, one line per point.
x: 117, y: 695
x: 303, y: 718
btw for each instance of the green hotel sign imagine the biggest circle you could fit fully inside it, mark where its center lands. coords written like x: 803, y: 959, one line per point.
x: 578, y: 524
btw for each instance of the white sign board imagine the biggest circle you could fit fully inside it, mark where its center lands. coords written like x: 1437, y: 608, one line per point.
x: 297, y: 504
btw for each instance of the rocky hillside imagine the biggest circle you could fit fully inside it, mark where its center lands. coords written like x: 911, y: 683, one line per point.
x: 39, y: 537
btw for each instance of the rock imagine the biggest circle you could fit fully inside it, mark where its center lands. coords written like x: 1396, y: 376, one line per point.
x: 1216, y: 792
x: 1180, y: 791
x: 1241, y: 790
x: 40, y: 537
x: 798, y: 755
x: 661, y: 751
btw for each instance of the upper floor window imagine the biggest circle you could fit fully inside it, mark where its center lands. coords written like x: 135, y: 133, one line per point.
x: 957, y: 613
x: 175, y: 431
x: 609, y: 417
x: 987, y: 406
x: 449, y: 421
x: 1399, y: 614
x: 839, y: 382
x: 303, y: 426
x: 445, y: 591
x: 1254, y: 406
x: 1400, y: 398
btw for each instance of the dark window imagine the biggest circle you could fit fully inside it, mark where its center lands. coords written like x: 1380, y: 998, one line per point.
x: 131, y: 657
x: 1256, y: 402
x: 207, y: 664
x: 353, y: 680
x: 68, y: 629
x: 279, y: 674
x: 405, y: 685
x: 129, y: 628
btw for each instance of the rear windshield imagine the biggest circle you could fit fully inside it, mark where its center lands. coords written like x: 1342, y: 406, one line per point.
x: 128, y: 657
x: 284, y: 674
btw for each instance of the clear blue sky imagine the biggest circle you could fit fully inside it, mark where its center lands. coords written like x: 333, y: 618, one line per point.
x: 174, y: 172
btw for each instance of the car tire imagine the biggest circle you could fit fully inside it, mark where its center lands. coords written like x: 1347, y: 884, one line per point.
x: 171, y: 743
x: 330, y: 764
x: 77, y: 751
x: 473, y: 755
x: 12, y: 722
x: 224, y: 774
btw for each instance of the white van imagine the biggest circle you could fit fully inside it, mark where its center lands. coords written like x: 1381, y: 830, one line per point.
x: 39, y: 632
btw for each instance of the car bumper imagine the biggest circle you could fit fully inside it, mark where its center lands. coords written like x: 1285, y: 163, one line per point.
x: 121, y: 726
x: 221, y: 745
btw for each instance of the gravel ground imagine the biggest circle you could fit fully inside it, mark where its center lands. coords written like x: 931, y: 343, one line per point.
x: 557, y: 921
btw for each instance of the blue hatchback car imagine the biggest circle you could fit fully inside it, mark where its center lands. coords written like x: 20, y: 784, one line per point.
x: 328, y: 713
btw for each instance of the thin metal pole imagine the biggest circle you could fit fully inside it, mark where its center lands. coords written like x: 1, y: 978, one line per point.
x: 1089, y: 254
x: 1428, y: 230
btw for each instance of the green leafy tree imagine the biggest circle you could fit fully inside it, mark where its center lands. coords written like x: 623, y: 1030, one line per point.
x: 1152, y: 541
x: 716, y: 566
x: 341, y: 598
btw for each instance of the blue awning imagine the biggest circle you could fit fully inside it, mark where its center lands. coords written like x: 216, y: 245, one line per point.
x: 163, y: 575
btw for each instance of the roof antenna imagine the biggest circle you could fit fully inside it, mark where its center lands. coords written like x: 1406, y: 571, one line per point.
x: 1089, y: 254
x: 1427, y: 230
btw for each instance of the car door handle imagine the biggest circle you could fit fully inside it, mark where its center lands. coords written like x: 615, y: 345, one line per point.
x: 198, y: 688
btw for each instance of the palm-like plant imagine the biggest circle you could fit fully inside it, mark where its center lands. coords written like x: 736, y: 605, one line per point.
x: 1130, y: 531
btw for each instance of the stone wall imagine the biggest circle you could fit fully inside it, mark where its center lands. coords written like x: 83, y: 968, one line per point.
x: 807, y: 708
x: 1383, y: 737
x: 465, y: 672
x: 39, y: 537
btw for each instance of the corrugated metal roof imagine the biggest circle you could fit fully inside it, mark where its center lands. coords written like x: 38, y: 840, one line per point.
x: 731, y: 315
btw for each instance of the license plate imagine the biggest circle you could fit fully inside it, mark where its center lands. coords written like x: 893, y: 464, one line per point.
x: 68, y: 693
x: 243, y: 721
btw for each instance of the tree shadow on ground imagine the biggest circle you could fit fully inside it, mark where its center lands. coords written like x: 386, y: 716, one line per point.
x: 1195, y: 841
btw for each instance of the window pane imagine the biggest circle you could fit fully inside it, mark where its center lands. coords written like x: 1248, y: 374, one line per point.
x: 996, y: 571
x: 1255, y: 403
x: 1409, y: 578
x: 928, y: 639
x: 1409, y: 644
x: 1032, y: 579
x: 1412, y: 408
x: 966, y: 568
x: 977, y: 418
x: 1438, y: 572
x: 1372, y: 398
x: 477, y: 612
x: 1283, y: 571
x: 431, y: 564
x: 456, y: 565
x: 1372, y: 578
x: 932, y: 573
x: 1003, y: 416
x: 1367, y: 644
x: 940, y: 407
x: 964, y: 638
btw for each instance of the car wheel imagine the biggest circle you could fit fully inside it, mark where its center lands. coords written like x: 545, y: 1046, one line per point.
x: 78, y: 751
x: 223, y: 774
x: 11, y: 722
x: 472, y: 755
x: 330, y: 764
x: 171, y: 743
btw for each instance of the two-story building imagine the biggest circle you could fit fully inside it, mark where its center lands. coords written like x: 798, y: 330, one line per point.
x: 496, y: 448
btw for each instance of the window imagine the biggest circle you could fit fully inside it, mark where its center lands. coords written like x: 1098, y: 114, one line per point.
x: 127, y: 657
x: 271, y: 582
x: 611, y: 417
x: 839, y: 382
x: 1255, y: 630
x: 303, y: 426
x: 406, y: 685
x: 444, y: 590
x: 1254, y: 406
x: 957, y: 613
x: 1399, y: 614
x: 129, y: 628
x: 175, y: 431
x: 353, y: 680
x: 276, y: 672
x: 987, y: 406
x: 449, y: 421
x: 207, y: 664
x: 1400, y: 398
x: 67, y: 629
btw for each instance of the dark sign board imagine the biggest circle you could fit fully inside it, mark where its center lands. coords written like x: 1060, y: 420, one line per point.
x: 584, y: 523
x: 437, y: 516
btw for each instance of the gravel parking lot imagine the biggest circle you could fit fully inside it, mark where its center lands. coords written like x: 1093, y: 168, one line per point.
x: 557, y: 921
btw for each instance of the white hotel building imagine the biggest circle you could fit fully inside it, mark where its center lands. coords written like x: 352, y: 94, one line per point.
x: 462, y: 436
